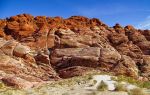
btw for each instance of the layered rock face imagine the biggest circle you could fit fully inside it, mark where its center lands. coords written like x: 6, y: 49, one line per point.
x: 37, y: 49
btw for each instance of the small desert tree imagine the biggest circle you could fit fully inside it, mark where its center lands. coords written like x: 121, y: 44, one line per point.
x: 102, y: 86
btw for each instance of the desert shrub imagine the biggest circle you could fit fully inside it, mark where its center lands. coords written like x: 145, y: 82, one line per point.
x: 93, y: 83
x: 136, y: 91
x: 142, y: 84
x: 65, y: 93
x: 90, y: 77
x: 120, y: 87
x: 127, y: 79
x: 1, y: 85
x: 145, y: 84
x: 102, y: 86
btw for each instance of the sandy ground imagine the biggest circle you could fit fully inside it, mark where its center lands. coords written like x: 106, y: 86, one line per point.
x: 71, y: 87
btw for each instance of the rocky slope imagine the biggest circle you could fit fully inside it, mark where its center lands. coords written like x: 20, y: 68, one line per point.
x: 38, y: 49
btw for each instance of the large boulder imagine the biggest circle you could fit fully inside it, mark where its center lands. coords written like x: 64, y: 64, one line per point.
x: 136, y: 37
x: 17, y: 82
x: 109, y: 55
x: 21, y: 50
x: 8, y: 47
x: 145, y: 47
x: 117, y: 38
x: 108, y: 58
x: 126, y: 66
x: 75, y: 57
x: 131, y: 50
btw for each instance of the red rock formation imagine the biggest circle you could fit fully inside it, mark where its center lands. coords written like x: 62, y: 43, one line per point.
x: 36, y: 49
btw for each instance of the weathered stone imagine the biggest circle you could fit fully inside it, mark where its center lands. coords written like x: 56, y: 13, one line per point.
x: 17, y: 82
x: 43, y: 58
x: 74, y: 45
x: 50, y: 40
x: 20, y: 50
x: 2, y: 42
x: 117, y: 38
x: 131, y: 50
x: 73, y: 71
x: 8, y: 47
x: 91, y: 51
x: 145, y: 47
x: 4, y: 58
x: 64, y: 32
x: 109, y: 55
x: 126, y: 66
x: 75, y: 57
x: 2, y: 33
x: 145, y: 67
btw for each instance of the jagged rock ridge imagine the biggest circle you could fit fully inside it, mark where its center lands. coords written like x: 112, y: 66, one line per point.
x: 37, y: 49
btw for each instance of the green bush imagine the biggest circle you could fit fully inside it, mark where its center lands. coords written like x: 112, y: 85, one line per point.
x: 102, y: 86
x: 130, y: 80
x: 120, y: 87
x: 145, y: 84
x: 1, y: 85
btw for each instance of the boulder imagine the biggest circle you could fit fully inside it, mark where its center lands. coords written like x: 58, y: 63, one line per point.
x: 146, y: 33
x: 17, y: 82
x: 126, y: 66
x: 75, y: 57
x: 145, y: 47
x: 21, y: 50
x: 136, y: 37
x: 91, y: 51
x: 117, y: 38
x: 8, y: 47
x: 131, y: 50
x: 109, y: 55
x: 108, y: 58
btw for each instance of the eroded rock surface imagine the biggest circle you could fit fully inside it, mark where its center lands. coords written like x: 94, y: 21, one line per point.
x: 37, y: 49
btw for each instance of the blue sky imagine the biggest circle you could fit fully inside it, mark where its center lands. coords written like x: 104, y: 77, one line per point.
x: 135, y: 12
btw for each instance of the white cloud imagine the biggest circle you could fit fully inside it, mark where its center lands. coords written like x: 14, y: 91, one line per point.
x: 145, y: 24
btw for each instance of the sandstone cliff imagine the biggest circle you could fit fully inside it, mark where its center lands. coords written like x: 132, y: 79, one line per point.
x: 37, y: 49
